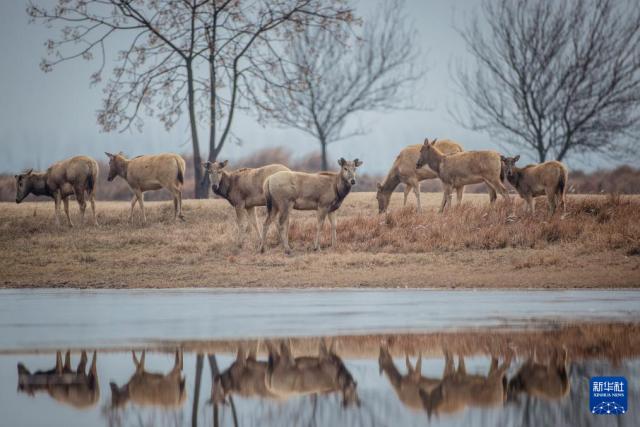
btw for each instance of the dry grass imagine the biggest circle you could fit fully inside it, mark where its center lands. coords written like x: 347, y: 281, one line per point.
x: 473, y: 245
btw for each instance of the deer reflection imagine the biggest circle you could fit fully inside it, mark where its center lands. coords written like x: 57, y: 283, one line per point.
x: 458, y: 389
x: 549, y: 380
x: 74, y: 388
x: 150, y: 388
x: 284, y: 376
x: 245, y: 377
x: 408, y: 386
x: 288, y: 376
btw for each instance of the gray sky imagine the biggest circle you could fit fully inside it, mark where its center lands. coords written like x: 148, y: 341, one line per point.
x: 46, y: 117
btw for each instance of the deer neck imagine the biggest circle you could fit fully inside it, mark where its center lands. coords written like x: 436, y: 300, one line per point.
x: 390, y: 182
x: 514, y: 179
x: 342, y: 188
x: 39, y: 186
x: 224, y: 186
x: 434, y: 159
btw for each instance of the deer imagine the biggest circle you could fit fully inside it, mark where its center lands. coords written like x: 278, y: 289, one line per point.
x: 323, y: 192
x: 75, y: 176
x: 468, y: 167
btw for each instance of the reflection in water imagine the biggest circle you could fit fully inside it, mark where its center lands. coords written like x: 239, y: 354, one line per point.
x: 150, y: 388
x: 77, y: 389
x: 472, y: 378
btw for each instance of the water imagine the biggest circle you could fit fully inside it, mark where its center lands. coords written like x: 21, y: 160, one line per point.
x: 344, y: 338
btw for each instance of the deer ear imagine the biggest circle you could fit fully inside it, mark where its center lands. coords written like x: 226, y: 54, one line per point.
x: 342, y: 161
x: 223, y: 164
x: 434, y: 141
x: 109, y: 155
x: 357, y: 162
x: 379, y: 186
x: 503, y: 158
x: 426, y: 141
x: 516, y: 158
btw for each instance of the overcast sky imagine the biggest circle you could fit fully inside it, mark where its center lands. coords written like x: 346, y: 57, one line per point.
x: 47, y: 117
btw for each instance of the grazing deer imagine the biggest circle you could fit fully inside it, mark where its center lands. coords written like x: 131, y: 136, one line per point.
x: 323, y: 192
x: 457, y: 390
x: 242, y: 188
x: 549, y: 381
x: 468, y: 167
x: 245, y: 377
x: 404, y: 171
x: 150, y: 172
x: 531, y: 181
x: 77, y: 389
x: 75, y: 176
x: 149, y: 388
x: 408, y: 386
x: 288, y: 376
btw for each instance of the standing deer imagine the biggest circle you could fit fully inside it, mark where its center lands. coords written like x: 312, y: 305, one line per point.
x: 468, y: 167
x: 150, y: 388
x: 548, y: 178
x: 245, y: 377
x: 288, y: 376
x: 75, y: 388
x: 150, y: 172
x: 323, y: 192
x: 408, y: 386
x: 75, y: 176
x: 549, y: 381
x: 242, y: 188
x: 404, y: 171
x: 458, y: 390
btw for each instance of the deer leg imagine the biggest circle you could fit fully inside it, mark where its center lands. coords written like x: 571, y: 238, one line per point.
x: 332, y: 221
x: 58, y: 362
x: 531, y: 204
x: 444, y: 199
x: 462, y: 369
x: 240, y: 212
x: 492, y: 195
x: 134, y: 199
x: 57, y: 199
x: 407, y: 190
x: 448, y: 364
x: 65, y: 202
x: 79, y: 192
x: 67, y: 361
x: 92, y: 200
x: 416, y: 191
x: 141, y: 203
x: 551, y: 198
x: 82, y: 366
x: 271, y: 214
x: 283, y: 227
x: 459, y: 193
x: 253, y: 219
x: 321, y: 214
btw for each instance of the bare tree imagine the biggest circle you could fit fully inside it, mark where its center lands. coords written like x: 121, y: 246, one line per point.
x: 338, y: 77
x: 198, y: 55
x: 555, y: 77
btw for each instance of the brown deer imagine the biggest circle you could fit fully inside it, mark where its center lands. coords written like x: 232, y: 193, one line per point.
x: 75, y: 176
x: 404, y: 171
x: 323, y: 192
x: 75, y: 388
x: 458, y: 390
x: 288, y: 376
x: 149, y: 388
x: 531, y: 181
x: 408, y: 386
x: 549, y: 381
x: 242, y: 188
x: 468, y: 167
x: 150, y: 172
x: 245, y: 377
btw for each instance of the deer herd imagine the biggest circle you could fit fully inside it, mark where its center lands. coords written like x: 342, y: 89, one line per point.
x: 283, y: 376
x: 281, y: 189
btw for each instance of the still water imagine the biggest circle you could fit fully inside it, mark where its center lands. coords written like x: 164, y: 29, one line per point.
x: 314, y: 358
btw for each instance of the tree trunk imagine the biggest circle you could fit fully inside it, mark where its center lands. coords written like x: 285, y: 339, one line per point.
x: 201, y: 189
x: 325, y: 162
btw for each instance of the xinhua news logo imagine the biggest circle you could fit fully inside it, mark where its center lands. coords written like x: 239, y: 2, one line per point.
x: 608, y: 395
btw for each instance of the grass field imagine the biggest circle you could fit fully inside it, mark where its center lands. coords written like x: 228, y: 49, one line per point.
x: 597, y: 244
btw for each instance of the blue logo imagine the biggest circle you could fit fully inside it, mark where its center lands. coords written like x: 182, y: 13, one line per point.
x: 608, y: 395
